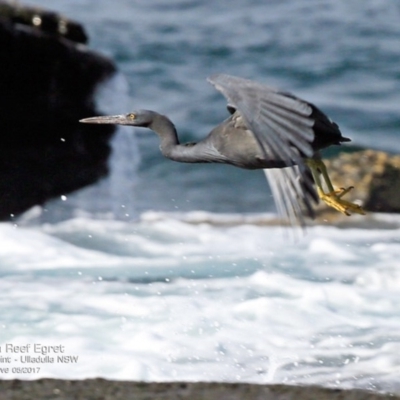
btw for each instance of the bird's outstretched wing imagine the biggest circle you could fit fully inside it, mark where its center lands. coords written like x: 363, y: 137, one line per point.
x: 278, y: 120
x: 282, y: 126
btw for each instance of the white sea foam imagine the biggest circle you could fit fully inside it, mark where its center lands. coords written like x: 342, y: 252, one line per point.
x: 199, y: 296
x: 210, y: 298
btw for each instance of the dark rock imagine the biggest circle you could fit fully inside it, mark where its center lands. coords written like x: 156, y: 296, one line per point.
x: 47, y: 83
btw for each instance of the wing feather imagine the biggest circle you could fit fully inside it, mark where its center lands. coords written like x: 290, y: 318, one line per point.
x: 288, y: 133
x: 291, y: 119
x: 293, y: 201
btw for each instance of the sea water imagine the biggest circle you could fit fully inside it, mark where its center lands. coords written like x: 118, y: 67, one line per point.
x: 165, y: 271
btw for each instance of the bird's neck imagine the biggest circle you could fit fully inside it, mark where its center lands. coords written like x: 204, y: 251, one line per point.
x: 169, y: 142
x: 166, y: 131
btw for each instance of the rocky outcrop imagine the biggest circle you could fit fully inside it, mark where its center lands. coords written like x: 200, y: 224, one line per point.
x: 375, y: 176
x: 44, y: 20
x: 47, y: 83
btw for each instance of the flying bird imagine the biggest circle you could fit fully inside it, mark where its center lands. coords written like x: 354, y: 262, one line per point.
x: 267, y: 129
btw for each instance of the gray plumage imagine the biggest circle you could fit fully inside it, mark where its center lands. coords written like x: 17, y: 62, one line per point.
x: 267, y: 129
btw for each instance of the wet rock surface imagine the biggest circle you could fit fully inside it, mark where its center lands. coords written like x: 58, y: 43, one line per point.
x: 101, y: 389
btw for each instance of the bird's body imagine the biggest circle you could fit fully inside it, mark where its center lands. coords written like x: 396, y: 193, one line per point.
x: 267, y: 129
x: 235, y: 144
x: 232, y: 142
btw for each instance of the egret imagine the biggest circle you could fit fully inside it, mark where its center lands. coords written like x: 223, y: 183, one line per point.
x: 267, y: 129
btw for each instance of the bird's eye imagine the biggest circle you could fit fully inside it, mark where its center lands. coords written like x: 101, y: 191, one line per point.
x: 131, y: 116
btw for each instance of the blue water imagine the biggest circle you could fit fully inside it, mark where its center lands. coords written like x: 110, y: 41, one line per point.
x: 165, y: 271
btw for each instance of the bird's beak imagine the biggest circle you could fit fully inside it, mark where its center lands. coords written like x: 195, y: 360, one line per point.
x: 109, y: 119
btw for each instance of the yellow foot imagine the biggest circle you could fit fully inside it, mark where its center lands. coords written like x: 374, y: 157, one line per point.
x: 334, y: 200
x: 342, y: 191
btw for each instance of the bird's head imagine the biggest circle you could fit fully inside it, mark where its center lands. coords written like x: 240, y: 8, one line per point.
x: 143, y: 118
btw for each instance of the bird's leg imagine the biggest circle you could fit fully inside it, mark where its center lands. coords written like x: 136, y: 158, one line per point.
x: 334, y: 197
